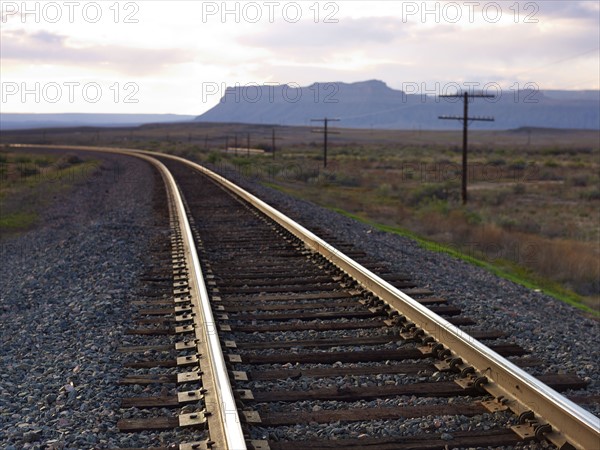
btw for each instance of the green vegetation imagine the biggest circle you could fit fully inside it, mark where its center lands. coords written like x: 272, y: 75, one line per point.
x: 500, y: 267
x: 16, y: 221
x: 29, y: 181
x: 534, y: 195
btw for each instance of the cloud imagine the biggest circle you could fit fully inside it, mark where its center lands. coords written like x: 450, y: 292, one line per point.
x: 327, y: 36
x: 583, y: 10
x: 525, y: 11
x: 445, y: 53
x: 45, y: 37
x: 174, y: 54
x: 373, y: 46
x: 44, y: 47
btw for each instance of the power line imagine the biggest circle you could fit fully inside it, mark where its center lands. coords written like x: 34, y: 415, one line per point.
x: 543, y: 66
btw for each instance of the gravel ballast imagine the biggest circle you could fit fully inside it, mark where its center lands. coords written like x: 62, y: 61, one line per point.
x: 66, y: 288
x: 64, y: 306
x: 559, y: 334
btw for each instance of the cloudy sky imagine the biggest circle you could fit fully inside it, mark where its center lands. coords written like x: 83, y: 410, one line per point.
x: 177, y: 57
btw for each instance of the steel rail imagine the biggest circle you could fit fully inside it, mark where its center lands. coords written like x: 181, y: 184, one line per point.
x: 223, y: 419
x: 576, y: 426
x: 227, y: 428
x: 570, y: 423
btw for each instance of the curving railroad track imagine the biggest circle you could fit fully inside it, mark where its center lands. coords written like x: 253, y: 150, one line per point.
x: 275, y: 327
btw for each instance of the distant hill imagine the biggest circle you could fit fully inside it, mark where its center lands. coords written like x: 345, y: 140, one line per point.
x: 16, y: 121
x: 372, y: 104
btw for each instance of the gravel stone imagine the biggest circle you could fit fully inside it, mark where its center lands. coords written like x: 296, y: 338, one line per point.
x: 554, y: 331
x: 64, y: 306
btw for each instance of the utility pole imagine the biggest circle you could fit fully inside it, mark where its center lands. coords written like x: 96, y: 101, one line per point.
x: 273, y: 141
x: 248, y: 145
x: 325, y: 133
x: 465, y: 120
x: 206, y: 142
x: 235, y: 143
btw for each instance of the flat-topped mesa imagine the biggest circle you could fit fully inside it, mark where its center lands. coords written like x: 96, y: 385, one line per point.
x: 373, y: 104
x: 318, y: 92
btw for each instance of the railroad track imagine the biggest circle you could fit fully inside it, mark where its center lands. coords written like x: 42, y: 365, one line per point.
x: 283, y: 341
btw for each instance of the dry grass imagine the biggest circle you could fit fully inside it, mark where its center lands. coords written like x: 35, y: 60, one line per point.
x: 534, y: 195
x: 28, y: 181
x: 574, y: 264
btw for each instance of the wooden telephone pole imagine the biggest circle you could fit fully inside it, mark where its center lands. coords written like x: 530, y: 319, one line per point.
x: 465, y: 120
x: 274, y: 141
x: 325, y: 133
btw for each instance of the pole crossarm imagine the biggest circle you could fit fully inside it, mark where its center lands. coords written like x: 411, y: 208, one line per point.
x: 465, y: 119
x: 468, y: 95
x: 470, y: 119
